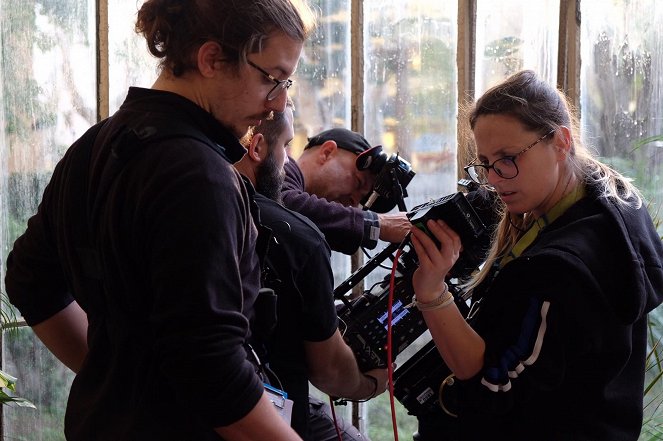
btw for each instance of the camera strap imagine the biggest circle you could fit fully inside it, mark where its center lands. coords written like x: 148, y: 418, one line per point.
x: 541, y: 223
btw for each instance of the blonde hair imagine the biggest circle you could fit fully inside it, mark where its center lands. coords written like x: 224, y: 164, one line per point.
x: 542, y: 108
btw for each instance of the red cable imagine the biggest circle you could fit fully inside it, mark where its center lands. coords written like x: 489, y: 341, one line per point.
x: 333, y: 411
x: 390, y: 367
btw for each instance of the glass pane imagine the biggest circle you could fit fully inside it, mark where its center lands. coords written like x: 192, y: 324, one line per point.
x: 410, y: 94
x: 47, y: 100
x: 43, y: 380
x: 622, y: 119
x: 515, y: 34
x: 47, y: 97
x: 410, y: 107
x: 622, y: 89
x: 130, y: 62
x: 321, y: 92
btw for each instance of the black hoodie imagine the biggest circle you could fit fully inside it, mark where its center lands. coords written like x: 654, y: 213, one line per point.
x: 565, y: 326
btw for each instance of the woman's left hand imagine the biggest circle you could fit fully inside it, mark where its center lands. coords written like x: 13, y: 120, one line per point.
x: 434, y: 262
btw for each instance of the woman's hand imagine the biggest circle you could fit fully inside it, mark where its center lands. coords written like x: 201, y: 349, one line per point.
x: 434, y: 262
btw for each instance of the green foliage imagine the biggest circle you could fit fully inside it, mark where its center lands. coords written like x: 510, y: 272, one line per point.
x: 9, y: 321
x: 652, y: 425
x: 645, y: 141
x: 9, y: 382
x: 380, y: 425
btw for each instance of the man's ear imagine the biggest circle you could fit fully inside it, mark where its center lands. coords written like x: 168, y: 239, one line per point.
x: 326, y: 151
x: 257, y: 150
x: 208, y: 58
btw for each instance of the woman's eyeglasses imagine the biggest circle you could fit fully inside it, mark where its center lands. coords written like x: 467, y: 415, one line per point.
x: 505, y: 167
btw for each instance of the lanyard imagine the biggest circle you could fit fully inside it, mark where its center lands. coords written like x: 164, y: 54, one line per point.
x: 539, y: 224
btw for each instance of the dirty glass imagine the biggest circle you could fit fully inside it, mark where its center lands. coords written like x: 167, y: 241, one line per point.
x: 47, y: 100
x: 130, y: 62
x: 622, y: 89
x: 512, y: 35
x: 622, y: 120
x: 42, y: 379
x: 321, y: 92
x: 410, y: 108
x: 410, y: 97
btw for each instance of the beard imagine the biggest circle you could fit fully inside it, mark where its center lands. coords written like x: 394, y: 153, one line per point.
x: 269, y: 178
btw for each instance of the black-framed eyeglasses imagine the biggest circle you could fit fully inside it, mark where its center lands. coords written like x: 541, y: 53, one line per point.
x: 279, y: 85
x: 505, y: 167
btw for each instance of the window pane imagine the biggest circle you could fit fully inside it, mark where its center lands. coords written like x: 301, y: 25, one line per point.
x: 515, y: 34
x: 621, y: 89
x: 321, y: 92
x: 410, y: 93
x: 130, y: 62
x: 43, y: 380
x: 622, y: 118
x: 48, y: 99
x: 410, y: 107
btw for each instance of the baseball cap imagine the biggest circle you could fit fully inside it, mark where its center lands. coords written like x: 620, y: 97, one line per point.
x: 344, y: 138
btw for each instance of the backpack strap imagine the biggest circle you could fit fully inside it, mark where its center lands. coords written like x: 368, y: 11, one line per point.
x: 125, y: 144
x: 81, y: 159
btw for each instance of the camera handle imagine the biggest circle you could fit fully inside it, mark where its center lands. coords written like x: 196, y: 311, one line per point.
x: 361, y: 273
x: 397, y: 190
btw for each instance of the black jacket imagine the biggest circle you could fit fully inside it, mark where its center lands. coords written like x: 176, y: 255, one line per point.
x: 163, y: 262
x: 565, y: 326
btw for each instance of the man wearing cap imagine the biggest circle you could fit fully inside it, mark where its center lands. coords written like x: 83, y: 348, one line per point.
x: 326, y: 186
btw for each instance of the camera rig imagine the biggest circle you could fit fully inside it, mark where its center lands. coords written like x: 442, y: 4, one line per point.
x: 364, y: 320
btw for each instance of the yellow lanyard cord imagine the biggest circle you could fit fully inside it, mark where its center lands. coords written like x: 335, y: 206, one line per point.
x: 539, y: 224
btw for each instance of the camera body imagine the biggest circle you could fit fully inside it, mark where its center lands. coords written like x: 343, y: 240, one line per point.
x: 393, y: 174
x: 366, y: 323
x: 456, y: 211
x: 423, y: 383
x: 366, y: 318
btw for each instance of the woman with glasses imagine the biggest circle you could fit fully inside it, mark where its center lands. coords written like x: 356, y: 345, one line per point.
x: 555, y: 344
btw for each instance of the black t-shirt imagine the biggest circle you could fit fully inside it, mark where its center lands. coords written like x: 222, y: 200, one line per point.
x: 300, y: 274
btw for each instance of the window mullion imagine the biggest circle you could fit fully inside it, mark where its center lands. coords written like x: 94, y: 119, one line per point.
x: 568, y: 63
x: 465, y: 63
x: 102, y: 60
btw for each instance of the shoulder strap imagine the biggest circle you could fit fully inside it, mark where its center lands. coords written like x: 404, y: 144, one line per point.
x: 159, y: 131
x: 133, y: 139
x: 125, y: 144
x: 81, y: 158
